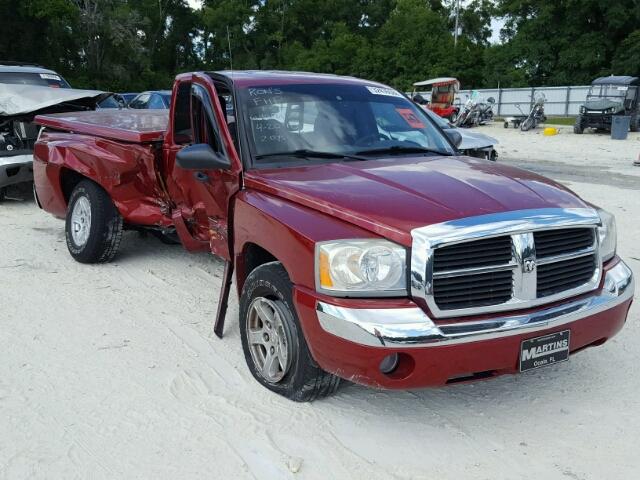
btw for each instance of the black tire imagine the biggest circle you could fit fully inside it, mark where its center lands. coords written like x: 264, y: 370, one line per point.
x: 506, y: 124
x: 527, y: 124
x: 635, y: 120
x: 105, y: 226
x: 304, y: 380
x: 578, y: 127
x: 3, y: 193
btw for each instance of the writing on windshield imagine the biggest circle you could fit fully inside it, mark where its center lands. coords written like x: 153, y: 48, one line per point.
x: 340, y: 119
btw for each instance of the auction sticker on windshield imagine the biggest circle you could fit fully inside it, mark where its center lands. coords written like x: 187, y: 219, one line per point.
x: 389, y: 92
x: 544, y: 351
x: 410, y: 117
x: 49, y: 76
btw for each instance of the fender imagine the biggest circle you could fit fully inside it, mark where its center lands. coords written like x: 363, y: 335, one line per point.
x: 127, y: 172
x: 287, y: 230
x: 292, y: 233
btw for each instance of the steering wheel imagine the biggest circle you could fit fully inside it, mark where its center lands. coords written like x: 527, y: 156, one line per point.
x: 371, y: 136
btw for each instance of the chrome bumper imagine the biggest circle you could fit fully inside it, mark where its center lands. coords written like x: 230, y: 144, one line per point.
x: 411, y: 327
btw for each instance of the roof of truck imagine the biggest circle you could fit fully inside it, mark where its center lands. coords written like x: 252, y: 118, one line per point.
x: 135, y: 126
x: 248, y: 78
x: 615, y: 80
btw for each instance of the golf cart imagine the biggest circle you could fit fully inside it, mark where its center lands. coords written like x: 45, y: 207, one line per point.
x: 443, y: 93
x: 609, y: 96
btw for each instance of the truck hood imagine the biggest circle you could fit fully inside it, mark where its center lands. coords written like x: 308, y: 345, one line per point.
x: 603, y: 104
x: 390, y: 197
x: 17, y: 100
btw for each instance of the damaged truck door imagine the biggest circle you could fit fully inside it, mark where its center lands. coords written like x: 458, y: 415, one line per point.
x: 201, y: 166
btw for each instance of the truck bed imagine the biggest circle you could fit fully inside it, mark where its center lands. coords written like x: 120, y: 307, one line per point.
x: 132, y: 126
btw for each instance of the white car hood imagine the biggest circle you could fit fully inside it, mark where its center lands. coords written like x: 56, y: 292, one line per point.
x: 24, y: 99
x: 473, y: 140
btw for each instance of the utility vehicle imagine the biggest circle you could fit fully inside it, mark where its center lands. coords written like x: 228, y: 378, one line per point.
x: 608, y: 97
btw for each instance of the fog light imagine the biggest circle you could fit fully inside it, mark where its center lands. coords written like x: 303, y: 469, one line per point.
x: 389, y: 363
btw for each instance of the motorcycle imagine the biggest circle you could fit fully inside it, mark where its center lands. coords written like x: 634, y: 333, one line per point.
x: 485, y: 111
x: 536, y: 114
x: 470, y: 113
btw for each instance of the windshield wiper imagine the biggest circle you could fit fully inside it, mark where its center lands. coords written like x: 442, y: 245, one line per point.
x: 304, y: 153
x: 400, y: 149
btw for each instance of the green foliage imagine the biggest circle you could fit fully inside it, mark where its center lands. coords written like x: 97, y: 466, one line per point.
x: 131, y: 45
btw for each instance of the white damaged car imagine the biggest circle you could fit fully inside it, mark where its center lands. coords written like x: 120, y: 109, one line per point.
x: 26, y: 91
x: 473, y: 143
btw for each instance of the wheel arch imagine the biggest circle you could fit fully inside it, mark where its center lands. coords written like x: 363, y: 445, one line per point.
x: 251, y: 257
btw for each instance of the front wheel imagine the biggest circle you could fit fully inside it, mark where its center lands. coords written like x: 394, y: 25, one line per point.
x: 635, y: 123
x: 578, y: 127
x: 528, y: 124
x: 274, y: 346
x: 93, y: 227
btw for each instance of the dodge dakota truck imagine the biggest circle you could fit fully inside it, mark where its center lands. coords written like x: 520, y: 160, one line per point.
x: 364, y: 246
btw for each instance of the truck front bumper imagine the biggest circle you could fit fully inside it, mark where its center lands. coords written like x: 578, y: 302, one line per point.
x: 15, y: 169
x: 351, y: 338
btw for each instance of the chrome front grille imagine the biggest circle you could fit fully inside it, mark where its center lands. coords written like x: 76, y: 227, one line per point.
x: 563, y: 240
x: 481, y: 253
x: 472, y: 290
x: 564, y: 275
x: 517, y: 262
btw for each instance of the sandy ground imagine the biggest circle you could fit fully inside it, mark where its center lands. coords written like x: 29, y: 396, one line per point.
x: 113, y: 372
x: 591, y: 157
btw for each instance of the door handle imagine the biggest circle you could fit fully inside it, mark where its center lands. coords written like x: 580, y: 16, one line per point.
x: 201, y: 176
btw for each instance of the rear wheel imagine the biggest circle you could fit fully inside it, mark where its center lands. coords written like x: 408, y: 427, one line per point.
x: 274, y: 346
x: 578, y: 127
x: 93, y: 226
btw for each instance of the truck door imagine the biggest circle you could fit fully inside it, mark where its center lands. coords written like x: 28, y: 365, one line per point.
x: 201, y: 197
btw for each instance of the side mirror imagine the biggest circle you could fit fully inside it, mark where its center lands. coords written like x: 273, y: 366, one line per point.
x: 454, y: 136
x: 201, y: 157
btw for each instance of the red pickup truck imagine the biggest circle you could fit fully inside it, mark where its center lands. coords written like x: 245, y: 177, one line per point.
x: 364, y: 247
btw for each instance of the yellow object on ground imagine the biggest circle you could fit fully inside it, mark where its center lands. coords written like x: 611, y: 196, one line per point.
x: 550, y: 131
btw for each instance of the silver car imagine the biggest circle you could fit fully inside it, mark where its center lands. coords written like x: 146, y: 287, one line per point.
x: 473, y: 144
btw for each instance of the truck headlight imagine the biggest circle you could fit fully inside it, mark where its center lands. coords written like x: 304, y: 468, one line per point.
x: 607, y: 235
x: 583, y: 109
x: 361, y: 268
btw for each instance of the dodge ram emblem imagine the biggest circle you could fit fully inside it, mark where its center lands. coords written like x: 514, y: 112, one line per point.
x: 529, y: 265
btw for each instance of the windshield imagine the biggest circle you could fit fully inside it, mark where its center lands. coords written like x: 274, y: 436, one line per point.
x: 617, y: 93
x: 442, y: 123
x: 42, y: 79
x: 337, y: 119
